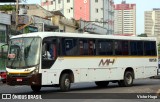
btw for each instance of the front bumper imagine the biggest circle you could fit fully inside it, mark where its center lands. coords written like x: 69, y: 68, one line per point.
x: 34, y: 79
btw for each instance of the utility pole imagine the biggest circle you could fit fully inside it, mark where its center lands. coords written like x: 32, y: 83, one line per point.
x: 17, y: 7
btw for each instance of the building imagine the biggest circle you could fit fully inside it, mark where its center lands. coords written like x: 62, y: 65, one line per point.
x: 86, y: 10
x: 5, y: 22
x: 33, y: 18
x: 152, y: 23
x: 64, y: 24
x: 125, y: 18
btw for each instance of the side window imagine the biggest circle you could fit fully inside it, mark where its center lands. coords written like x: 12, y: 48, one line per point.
x: 150, y: 48
x: 102, y: 47
x: 133, y: 48
x: 140, y: 48
x: 109, y: 50
x: 83, y: 47
x: 69, y: 46
x: 136, y: 47
x: 118, y: 47
x: 125, y: 50
x: 92, y: 50
x: 105, y: 47
x: 49, y: 52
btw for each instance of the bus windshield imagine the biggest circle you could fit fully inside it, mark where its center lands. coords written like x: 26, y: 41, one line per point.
x: 23, y: 52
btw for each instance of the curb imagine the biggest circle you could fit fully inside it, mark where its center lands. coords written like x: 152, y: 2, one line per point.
x: 156, y: 77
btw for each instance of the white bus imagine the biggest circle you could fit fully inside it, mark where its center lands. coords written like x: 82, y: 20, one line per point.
x: 59, y: 59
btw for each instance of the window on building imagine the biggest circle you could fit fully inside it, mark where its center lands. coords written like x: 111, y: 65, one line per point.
x: 51, y: 2
x: 96, y: 1
x: 96, y: 10
x: 68, y: 1
x: 68, y: 10
x: 59, y: 1
x: 96, y: 20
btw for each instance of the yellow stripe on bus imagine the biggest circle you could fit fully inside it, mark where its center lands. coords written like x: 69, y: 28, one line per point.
x: 18, y: 72
x: 107, y: 57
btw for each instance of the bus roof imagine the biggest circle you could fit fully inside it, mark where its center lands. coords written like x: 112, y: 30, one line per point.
x: 82, y: 35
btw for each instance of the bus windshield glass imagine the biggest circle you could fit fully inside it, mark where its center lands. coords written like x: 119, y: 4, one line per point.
x: 23, y: 52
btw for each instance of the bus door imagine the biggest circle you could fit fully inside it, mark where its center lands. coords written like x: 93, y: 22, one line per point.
x: 49, y: 55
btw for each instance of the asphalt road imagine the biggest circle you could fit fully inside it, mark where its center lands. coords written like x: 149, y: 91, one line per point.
x: 89, y: 92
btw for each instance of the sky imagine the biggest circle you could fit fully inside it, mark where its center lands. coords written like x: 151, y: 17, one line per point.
x: 141, y: 6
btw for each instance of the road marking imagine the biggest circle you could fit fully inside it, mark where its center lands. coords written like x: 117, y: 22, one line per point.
x: 18, y: 86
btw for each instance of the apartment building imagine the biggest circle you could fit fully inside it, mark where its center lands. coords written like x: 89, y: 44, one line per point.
x: 99, y: 12
x: 125, y: 18
x: 152, y: 23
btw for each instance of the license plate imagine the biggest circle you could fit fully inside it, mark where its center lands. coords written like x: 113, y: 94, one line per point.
x: 19, y: 79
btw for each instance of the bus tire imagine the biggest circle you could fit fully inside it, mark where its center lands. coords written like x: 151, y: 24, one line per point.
x: 4, y: 81
x: 36, y: 88
x: 65, y: 83
x: 128, y: 79
x: 102, y: 83
x: 120, y: 83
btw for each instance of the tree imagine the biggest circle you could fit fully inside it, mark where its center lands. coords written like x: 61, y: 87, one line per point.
x: 6, y: 8
x: 5, y: 1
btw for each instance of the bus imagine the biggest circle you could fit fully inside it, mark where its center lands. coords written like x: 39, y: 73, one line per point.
x: 59, y: 59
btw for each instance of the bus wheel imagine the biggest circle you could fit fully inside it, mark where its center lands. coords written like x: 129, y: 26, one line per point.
x: 128, y: 79
x: 4, y: 81
x: 36, y: 88
x: 65, y: 83
x: 102, y: 83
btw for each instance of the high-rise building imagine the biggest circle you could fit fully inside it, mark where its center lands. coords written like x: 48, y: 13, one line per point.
x: 100, y: 11
x: 125, y: 18
x: 152, y: 23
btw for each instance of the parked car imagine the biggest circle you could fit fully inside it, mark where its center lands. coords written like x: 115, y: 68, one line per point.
x: 3, y: 76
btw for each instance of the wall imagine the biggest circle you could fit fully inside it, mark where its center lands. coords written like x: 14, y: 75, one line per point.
x: 82, y: 9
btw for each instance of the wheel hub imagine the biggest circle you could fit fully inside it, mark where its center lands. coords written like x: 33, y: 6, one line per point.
x: 67, y: 82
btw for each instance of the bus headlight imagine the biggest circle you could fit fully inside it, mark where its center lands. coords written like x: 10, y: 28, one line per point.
x: 7, y: 72
x: 34, y: 71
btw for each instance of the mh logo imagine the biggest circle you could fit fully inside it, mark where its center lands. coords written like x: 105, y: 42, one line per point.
x: 106, y: 62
